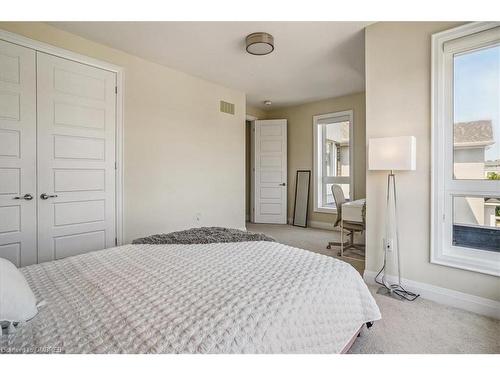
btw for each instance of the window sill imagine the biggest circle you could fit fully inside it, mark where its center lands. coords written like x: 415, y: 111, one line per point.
x: 326, y: 210
x: 482, y: 264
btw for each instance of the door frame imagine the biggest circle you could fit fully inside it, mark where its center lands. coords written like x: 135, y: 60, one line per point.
x: 69, y: 55
x: 249, y: 118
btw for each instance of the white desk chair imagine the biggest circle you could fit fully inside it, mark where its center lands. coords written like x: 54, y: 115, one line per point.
x: 345, y: 225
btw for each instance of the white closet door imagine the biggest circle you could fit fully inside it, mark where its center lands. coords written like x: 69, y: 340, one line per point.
x: 270, y: 163
x: 76, y: 157
x: 17, y: 154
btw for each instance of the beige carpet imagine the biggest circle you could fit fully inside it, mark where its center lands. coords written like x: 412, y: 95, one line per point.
x: 423, y: 326
x: 406, y: 327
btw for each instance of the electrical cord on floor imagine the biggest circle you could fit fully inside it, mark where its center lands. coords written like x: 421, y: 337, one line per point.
x: 396, y: 288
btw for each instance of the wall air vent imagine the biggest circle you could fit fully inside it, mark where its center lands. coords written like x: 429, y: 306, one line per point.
x: 226, y: 107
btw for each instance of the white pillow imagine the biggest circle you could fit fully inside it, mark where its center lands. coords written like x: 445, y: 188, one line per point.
x: 17, y: 301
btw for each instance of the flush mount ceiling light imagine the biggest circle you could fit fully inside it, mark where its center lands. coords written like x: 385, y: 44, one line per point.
x: 268, y: 102
x: 260, y: 44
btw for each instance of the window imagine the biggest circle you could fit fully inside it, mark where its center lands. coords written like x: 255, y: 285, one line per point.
x: 466, y: 139
x: 333, y: 135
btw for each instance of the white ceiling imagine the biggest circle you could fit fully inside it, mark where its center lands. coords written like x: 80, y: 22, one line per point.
x: 311, y: 60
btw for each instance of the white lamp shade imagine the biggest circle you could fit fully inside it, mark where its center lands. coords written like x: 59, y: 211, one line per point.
x: 392, y: 153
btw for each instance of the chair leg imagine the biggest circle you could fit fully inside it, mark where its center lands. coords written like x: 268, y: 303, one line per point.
x: 336, y: 244
x: 352, y: 246
x: 341, y: 238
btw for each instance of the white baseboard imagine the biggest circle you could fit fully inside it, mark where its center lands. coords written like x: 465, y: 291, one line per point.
x: 317, y: 224
x: 321, y: 225
x: 469, y: 302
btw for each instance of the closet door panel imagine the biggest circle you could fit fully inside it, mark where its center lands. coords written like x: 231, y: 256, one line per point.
x: 17, y: 154
x: 76, y: 157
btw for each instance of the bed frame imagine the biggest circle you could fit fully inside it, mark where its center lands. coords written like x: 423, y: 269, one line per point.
x: 356, y: 335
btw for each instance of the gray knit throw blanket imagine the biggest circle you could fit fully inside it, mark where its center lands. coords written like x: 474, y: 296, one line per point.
x: 203, y: 235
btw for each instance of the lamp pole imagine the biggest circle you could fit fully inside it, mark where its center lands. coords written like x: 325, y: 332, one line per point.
x: 394, y: 290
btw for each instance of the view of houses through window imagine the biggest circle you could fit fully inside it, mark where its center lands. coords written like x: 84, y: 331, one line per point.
x: 332, y: 136
x: 476, y: 146
x: 336, y: 159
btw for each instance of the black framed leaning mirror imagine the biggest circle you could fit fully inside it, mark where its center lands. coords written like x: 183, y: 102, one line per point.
x: 301, y: 206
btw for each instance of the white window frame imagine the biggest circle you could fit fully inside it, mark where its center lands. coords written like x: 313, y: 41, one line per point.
x: 318, y: 174
x: 444, y: 45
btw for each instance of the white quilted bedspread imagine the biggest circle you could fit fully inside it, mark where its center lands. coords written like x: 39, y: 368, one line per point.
x: 247, y: 297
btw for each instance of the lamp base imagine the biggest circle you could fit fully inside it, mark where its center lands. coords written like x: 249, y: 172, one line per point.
x: 389, y: 293
x: 395, y: 291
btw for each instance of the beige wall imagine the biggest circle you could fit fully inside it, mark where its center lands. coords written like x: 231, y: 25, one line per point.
x: 300, y: 143
x: 182, y: 156
x: 398, y: 99
x: 256, y: 112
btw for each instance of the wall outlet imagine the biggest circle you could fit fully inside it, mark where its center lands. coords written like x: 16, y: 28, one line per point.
x: 388, y: 244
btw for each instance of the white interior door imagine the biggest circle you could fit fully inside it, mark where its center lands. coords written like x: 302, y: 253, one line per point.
x: 17, y: 154
x: 76, y: 157
x: 270, y: 171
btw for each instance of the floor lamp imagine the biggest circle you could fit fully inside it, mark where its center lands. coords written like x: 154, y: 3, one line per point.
x: 392, y: 154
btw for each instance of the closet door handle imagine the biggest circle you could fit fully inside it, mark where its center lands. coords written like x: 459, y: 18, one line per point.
x: 45, y: 196
x: 27, y: 197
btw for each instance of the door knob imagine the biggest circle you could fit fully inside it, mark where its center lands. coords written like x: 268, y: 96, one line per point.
x: 27, y: 197
x: 282, y: 184
x: 45, y: 196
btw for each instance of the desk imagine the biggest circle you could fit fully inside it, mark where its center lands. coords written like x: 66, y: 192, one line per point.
x: 353, y: 220
x: 353, y: 211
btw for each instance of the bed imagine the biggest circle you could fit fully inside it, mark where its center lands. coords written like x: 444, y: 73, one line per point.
x: 244, y: 297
